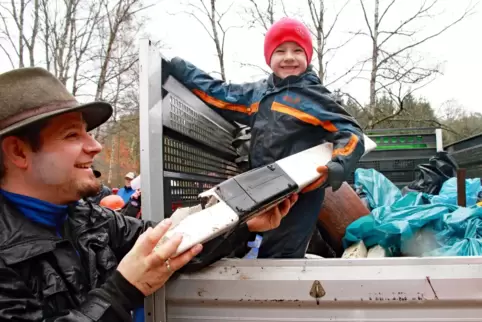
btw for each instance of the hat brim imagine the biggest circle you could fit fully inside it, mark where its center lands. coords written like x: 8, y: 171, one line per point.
x: 94, y: 114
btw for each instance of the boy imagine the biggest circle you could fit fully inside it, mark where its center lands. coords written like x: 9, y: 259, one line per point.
x: 289, y: 112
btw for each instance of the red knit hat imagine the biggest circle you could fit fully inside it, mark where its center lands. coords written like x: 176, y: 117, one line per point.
x: 284, y: 30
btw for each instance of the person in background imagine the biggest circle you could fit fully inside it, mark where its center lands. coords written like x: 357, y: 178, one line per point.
x: 126, y: 192
x: 133, y: 207
x: 104, y: 190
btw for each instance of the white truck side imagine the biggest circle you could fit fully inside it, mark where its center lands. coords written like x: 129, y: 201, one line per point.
x: 388, y: 289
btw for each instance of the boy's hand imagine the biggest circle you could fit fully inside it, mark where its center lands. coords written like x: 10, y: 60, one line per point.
x: 323, y: 170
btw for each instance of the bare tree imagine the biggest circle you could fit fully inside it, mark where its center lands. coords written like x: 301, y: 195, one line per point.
x: 20, y: 13
x: 458, y: 122
x: 392, y: 66
x: 59, y: 34
x: 321, y: 32
x: 264, y: 17
x: 113, y: 48
x: 84, y: 34
x: 207, y: 13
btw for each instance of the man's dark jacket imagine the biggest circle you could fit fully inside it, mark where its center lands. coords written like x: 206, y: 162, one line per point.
x: 44, y: 277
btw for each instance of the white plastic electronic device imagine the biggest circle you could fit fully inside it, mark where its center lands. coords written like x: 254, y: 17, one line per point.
x: 249, y: 194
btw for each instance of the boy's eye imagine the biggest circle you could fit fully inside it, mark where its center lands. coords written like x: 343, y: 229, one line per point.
x: 298, y: 50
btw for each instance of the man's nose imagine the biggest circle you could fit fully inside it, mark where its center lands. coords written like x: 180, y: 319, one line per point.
x: 92, y: 146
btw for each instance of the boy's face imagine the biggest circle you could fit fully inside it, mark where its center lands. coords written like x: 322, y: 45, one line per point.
x: 288, y: 59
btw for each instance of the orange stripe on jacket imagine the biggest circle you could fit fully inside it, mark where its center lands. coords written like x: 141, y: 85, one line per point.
x: 253, y: 108
x: 305, y: 117
x: 348, y: 148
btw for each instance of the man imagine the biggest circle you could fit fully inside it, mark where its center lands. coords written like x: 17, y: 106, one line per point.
x: 61, y: 260
x: 104, y: 190
x: 126, y: 192
x: 133, y: 207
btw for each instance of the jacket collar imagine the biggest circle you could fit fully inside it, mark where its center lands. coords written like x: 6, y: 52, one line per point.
x: 309, y: 77
x: 22, y: 239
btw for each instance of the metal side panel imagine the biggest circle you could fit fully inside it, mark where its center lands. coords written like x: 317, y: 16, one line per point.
x: 177, y: 89
x: 184, y: 119
x: 394, y: 289
x: 150, y: 119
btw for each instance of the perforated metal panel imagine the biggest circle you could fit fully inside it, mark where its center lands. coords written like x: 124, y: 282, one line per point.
x: 197, y: 150
x: 184, y: 119
x: 182, y: 157
x: 392, y: 165
x: 468, y: 154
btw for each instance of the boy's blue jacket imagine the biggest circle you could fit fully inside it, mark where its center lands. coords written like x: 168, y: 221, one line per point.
x: 286, y: 116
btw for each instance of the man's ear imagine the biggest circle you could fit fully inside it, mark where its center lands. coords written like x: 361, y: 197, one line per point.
x: 16, y: 151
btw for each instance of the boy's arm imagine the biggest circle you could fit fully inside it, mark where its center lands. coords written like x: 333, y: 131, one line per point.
x: 348, y: 148
x: 235, y: 102
x: 344, y: 132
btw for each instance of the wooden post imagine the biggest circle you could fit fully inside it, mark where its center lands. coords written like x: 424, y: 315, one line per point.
x: 461, y: 193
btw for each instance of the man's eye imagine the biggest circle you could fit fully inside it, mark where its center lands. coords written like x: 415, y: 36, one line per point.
x: 72, y: 135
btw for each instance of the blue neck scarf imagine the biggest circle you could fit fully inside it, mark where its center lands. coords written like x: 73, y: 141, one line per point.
x: 39, y: 211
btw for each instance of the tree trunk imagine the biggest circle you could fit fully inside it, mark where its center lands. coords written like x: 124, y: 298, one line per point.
x: 373, y: 76
x: 219, y: 49
x: 111, y: 159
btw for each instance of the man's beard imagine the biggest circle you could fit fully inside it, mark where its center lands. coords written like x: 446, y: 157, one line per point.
x: 83, y: 189
x: 88, y: 189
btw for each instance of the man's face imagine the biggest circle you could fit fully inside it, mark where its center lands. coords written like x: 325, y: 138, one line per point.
x: 288, y: 59
x: 127, y: 182
x: 63, y: 163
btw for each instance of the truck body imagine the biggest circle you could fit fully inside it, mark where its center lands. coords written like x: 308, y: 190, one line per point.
x: 185, y: 150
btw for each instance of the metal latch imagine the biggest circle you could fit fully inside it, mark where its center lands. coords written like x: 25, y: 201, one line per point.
x: 317, y: 291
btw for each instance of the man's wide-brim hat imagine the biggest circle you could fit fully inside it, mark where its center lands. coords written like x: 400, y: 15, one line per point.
x: 32, y: 94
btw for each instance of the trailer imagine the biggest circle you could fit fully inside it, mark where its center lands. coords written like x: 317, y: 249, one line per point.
x: 185, y: 150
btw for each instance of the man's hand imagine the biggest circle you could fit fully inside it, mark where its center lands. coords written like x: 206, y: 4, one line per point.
x: 136, y: 194
x: 323, y: 170
x: 271, y: 219
x: 149, y: 270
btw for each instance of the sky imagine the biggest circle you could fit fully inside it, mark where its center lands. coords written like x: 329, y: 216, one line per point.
x: 457, y: 51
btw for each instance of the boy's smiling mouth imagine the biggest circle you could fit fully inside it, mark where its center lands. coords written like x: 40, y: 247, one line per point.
x: 289, y: 68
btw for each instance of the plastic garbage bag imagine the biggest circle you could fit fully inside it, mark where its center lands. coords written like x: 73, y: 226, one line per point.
x: 362, y: 195
x: 461, y: 234
x: 448, y: 193
x: 432, y: 175
x: 378, y: 189
x: 393, y: 226
x: 417, y: 224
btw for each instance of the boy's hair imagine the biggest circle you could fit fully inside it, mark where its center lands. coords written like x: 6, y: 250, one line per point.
x: 284, y: 30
